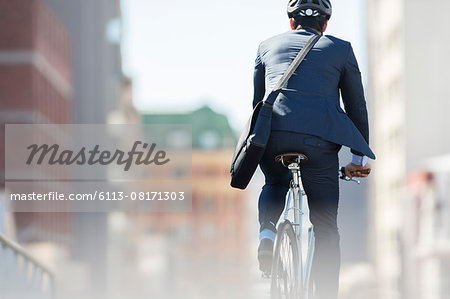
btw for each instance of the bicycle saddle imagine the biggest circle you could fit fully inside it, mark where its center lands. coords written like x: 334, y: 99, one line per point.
x: 289, y: 158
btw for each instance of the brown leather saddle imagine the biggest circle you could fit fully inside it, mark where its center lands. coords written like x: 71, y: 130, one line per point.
x: 289, y: 158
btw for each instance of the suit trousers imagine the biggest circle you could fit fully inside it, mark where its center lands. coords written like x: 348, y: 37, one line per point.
x: 320, y: 181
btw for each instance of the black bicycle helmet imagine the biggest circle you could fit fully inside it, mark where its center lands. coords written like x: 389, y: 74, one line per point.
x: 309, y: 8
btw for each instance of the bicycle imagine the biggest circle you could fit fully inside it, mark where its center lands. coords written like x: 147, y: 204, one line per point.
x: 290, y: 277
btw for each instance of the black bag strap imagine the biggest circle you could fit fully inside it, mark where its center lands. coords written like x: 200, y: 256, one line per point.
x: 292, y: 68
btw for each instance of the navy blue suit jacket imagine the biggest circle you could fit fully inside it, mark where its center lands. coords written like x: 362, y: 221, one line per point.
x: 310, y: 103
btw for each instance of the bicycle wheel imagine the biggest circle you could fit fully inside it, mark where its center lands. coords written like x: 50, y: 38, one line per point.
x: 284, y: 284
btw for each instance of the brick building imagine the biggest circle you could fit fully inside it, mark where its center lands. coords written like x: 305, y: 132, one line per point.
x: 35, y: 77
x: 35, y: 71
x: 35, y: 84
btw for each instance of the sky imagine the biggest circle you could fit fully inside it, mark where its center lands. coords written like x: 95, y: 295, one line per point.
x: 185, y: 54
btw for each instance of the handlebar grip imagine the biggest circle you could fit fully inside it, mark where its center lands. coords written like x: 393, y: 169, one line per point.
x: 343, y: 175
x: 365, y: 171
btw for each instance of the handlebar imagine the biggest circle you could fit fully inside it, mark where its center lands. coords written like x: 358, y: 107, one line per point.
x: 344, y: 177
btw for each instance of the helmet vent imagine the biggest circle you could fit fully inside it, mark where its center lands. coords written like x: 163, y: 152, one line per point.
x: 316, y: 2
x: 326, y: 4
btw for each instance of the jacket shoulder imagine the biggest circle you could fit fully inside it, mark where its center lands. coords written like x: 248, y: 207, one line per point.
x: 336, y: 40
x: 273, y: 40
x: 329, y: 40
x: 338, y: 48
x: 337, y: 43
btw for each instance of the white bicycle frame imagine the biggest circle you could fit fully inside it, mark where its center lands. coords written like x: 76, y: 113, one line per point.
x: 295, y: 203
x: 295, y: 195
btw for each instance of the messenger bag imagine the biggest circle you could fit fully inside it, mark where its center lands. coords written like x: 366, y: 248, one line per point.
x: 253, y: 140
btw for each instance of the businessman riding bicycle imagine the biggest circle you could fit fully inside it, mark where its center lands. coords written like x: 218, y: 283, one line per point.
x: 307, y: 118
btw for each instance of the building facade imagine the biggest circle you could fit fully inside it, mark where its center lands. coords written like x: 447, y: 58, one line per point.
x: 207, y: 250
x: 35, y: 87
x: 98, y: 86
x: 60, y: 62
x: 408, y: 59
x: 95, y: 30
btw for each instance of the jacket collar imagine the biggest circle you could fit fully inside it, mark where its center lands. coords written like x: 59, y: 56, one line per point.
x: 309, y: 30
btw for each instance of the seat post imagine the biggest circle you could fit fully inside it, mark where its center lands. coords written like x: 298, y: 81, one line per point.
x: 295, y: 169
x: 292, y: 162
x: 298, y: 211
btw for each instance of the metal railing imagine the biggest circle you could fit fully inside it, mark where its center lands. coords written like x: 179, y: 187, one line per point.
x: 21, y: 275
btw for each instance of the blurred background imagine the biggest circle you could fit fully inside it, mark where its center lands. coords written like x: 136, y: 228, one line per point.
x: 191, y: 62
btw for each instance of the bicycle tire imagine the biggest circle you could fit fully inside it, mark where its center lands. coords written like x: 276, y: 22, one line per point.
x: 282, y: 285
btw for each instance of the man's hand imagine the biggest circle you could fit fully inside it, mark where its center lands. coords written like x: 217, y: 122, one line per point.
x: 353, y: 170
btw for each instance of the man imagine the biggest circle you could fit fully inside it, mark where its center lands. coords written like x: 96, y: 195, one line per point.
x: 307, y: 118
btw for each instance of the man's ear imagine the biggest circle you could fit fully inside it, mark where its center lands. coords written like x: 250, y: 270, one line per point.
x: 291, y: 20
x: 325, y: 26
